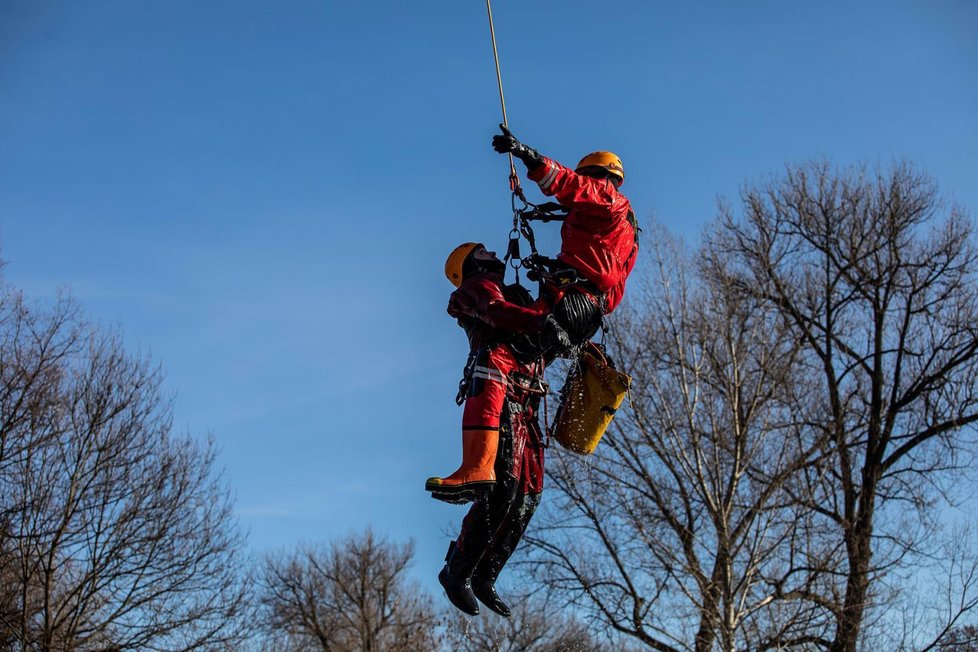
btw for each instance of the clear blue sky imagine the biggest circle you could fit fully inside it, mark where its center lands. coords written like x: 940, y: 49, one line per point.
x: 262, y: 195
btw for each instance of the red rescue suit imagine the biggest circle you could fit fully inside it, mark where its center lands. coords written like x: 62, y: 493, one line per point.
x: 500, y: 393
x: 599, y: 237
x: 490, y: 321
x: 487, y: 315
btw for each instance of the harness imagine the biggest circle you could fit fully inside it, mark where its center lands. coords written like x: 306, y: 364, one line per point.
x: 521, y: 388
x: 540, y: 268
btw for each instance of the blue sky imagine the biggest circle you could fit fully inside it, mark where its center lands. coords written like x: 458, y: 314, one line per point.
x: 262, y: 195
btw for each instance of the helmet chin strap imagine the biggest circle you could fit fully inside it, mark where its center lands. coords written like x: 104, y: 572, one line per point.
x: 497, y: 266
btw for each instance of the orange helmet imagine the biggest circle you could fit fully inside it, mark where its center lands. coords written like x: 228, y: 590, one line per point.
x: 607, y: 160
x: 453, y: 266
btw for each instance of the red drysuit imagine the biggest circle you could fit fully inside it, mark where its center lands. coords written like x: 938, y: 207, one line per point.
x: 500, y: 393
x: 599, y: 237
x: 491, y: 321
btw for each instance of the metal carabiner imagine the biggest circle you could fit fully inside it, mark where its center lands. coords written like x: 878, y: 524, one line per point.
x: 513, y: 250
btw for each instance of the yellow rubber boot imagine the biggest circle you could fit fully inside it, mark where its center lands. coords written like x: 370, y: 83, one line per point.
x: 478, y: 465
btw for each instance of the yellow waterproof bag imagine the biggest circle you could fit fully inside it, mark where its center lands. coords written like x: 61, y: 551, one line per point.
x: 589, y: 399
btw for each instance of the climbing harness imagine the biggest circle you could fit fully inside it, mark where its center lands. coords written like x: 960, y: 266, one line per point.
x: 524, y: 387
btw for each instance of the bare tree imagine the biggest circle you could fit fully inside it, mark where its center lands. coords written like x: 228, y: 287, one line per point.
x: 115, y: 534
x: 929, y: 601
x: 960, y: 639
x: 805, y: 397
x: 534, y: 626
x: 665, y: 533
x: 881, y: 293
x: 353, y: 594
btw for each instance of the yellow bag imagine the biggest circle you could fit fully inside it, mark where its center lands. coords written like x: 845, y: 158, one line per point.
x: 589, y: 399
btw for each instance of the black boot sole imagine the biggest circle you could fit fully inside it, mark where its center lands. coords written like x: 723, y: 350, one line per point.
x: 460, y: 495
x: 453, y: 499
x: 468, y: 487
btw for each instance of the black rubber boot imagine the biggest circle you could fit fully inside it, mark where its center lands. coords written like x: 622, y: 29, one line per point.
x: 500, y: 550
x: 484, y: 589
x: 456, y: 579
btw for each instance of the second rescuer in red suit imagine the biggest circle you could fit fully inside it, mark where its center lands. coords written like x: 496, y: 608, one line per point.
x: 599, y: 237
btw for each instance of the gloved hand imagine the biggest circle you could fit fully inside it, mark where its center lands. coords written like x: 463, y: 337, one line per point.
x: 555, y: 332
x: 507, y: 143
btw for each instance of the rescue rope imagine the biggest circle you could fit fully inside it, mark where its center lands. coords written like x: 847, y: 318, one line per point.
x: 514, y: 180
x: 512, y: 258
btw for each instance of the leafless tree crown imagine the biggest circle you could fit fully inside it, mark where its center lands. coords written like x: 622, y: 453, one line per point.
x: 534, y: 626
x: 805, y: 391
x: 353, y: 594
x: 114, y: 534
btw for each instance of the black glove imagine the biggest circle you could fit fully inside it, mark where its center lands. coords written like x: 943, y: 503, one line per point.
x: 507, y: 143
x: 555, y: 332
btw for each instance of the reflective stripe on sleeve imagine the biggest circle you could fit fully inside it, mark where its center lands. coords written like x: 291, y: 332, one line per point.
x: 548, y: 179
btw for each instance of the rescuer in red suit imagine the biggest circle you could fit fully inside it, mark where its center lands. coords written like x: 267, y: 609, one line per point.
x: 493, y: 323
x: 599, y: 236
x: 502, y: 450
